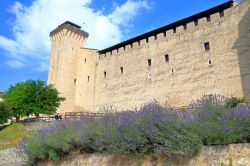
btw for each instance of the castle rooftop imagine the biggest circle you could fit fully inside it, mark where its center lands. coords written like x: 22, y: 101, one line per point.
x: 173, y: 25
x: 71, y: 26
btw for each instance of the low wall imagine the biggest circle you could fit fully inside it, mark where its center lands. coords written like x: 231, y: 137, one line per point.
x: 235, y: 154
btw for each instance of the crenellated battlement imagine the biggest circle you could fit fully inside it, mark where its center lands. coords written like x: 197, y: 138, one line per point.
x: 191, y: 23
x: 69, y: 29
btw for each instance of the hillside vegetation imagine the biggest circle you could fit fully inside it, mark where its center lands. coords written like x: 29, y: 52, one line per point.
x: 153, y: 129
x: 10, y: 135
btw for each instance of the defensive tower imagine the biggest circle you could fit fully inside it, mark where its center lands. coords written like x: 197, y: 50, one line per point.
x: 66, y: 41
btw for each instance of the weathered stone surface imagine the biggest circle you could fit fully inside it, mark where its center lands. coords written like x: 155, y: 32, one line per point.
x: 78, y: 72
x: 236, y: 155
x: 12, y: 157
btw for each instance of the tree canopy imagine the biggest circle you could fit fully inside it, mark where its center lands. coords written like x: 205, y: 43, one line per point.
x: 4, y: 114
x: 32, y: 98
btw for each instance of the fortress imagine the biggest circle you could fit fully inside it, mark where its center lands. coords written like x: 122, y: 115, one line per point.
x: 207, y: 53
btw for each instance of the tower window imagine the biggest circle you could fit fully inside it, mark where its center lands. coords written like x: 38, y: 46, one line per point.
x: 207, y: 46
x: 105, y: 74
x: 75, y: 81
x: 167, y: 58
x: 88, y: 78
x: 222, y: 14
x: 121, y: 68
x: 85, y: 60
x: 209, y: 62
x: 172, y: 71
x: 149, y: 62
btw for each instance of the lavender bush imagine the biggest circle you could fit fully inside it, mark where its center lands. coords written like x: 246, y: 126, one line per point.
x: 153, y: 129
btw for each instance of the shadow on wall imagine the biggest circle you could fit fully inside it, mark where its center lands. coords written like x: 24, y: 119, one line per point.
x: 243, y: 48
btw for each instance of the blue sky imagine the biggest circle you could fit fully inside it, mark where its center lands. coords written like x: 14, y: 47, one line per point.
x: 25, y: 27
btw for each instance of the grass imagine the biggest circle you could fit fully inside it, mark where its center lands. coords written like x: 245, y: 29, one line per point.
x: 10, y: 135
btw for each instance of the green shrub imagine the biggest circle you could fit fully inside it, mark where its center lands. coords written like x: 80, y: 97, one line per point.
x: 218, y: 125
x: 152, y: 130
x: 234, y: 101
x: 4, y: 113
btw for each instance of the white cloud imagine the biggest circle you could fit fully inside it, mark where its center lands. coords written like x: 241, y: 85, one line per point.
x: 30, y: 44
x: 123, y: 15
x: 15, y: 64
x: 42, y: 67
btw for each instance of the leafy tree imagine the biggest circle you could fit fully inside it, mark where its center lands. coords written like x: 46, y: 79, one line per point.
x: 32, y: 98
x: 4, y: 113
x: 1, y: 94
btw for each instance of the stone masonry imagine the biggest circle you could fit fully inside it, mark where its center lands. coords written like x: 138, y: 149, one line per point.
x: 208, y: 53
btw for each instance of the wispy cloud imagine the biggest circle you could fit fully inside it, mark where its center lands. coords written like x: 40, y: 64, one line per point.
x: 30, y: 44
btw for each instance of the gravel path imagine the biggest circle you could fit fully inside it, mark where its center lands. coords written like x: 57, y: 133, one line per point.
x: 12, y: 157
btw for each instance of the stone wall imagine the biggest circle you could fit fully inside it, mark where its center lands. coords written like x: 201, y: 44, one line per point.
x: 123, y: 77
x: 190, y: 72
x: 236, y: 155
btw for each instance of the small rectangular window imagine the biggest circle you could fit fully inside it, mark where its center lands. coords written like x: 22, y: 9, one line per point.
x: 75, y: 81
x: 209, y: 62
x: 121, y: 68
x: 207, y: 46
x: 88, y: 78
x: 149, y: 62
x: 222, y: 14
x: 105, y: 74
x: 172, y: 71
x: 85, y: 60
x: 167, y: 58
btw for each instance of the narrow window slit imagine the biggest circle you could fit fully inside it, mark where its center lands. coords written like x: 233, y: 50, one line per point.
x: 121, y: 68
x: 209, y: 62
x: 149, y: 62
x: 105, y: 74
x: 167, y: 58
x: 207, y: 46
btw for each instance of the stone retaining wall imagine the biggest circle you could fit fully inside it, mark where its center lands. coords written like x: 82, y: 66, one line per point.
x: 236, y: 155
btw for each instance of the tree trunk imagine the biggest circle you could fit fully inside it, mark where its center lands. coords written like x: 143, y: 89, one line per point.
x: 37, y: 117
x: 17, y: 119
